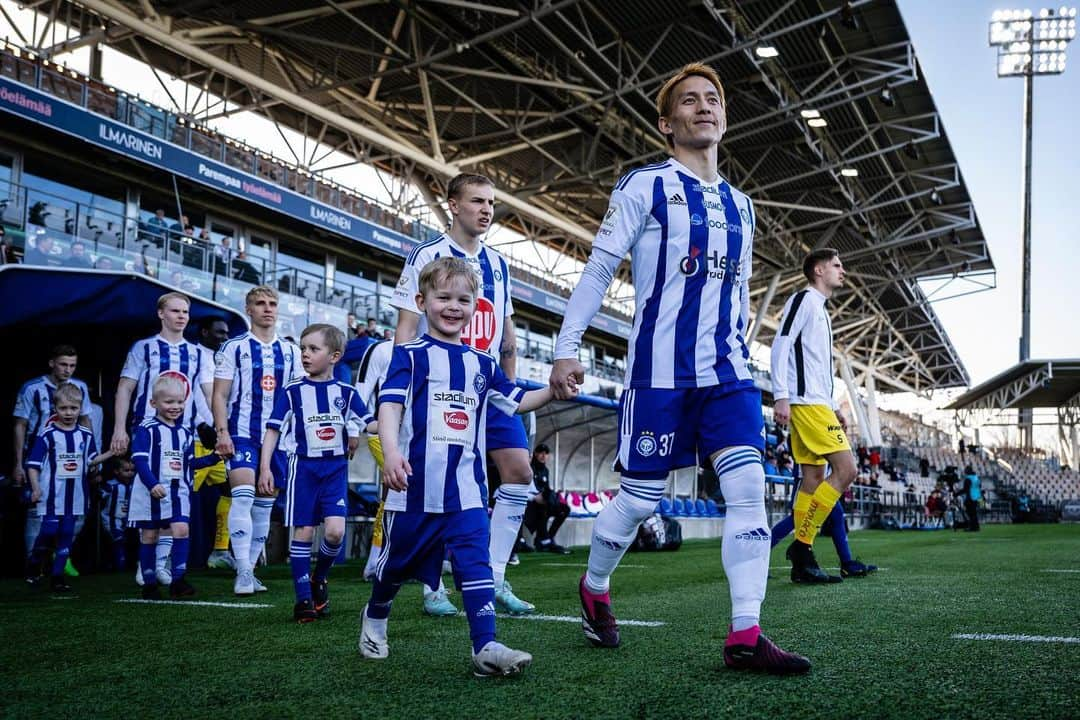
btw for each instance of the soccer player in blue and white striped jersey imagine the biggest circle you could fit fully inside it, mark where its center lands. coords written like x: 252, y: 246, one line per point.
x: 432, y: 408
x: 689, y: 395
x: 166, y: 353
x: 115, y: 497
x: 471, y: 202
x: 59, y: 463
x: 164, y: 456
x: 251, y: 373
x: 33, y: 408
x: 326, y: 417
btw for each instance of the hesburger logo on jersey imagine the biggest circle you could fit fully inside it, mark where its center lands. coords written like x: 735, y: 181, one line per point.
x: 71, y: 466
x: 175, y: 464
x: 456, y: 419
x: 480, y: 332
x: 325, y: 433
x: 268, y: 383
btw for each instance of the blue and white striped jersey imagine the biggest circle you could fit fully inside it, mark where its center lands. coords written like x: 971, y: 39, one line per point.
x: 691, y: 248
x: 485, y: 332
x: 259, y: 372
x: 155, y: 356
x: 163, y: 453
x: 62, y: 457
x: 34, y: 404
x: 445, y: 389
x: 324, y: 414
x: 115, y: 496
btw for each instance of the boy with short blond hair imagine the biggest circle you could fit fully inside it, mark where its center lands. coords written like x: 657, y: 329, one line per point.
x: 58, y: 466
x: 431, y: 427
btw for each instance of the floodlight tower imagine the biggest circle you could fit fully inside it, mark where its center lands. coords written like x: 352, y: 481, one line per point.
x: 1030, y: 45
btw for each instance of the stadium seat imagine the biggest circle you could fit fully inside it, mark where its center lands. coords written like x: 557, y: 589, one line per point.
x: 576, y: 506
x: 712, y: 508
x: 700, y: 508
x: 679, y: 508
x: 665, y: 508
x: 592, y: 504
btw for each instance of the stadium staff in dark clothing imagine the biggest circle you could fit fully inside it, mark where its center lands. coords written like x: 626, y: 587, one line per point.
x: 545, y: 505
x: 972, y: 496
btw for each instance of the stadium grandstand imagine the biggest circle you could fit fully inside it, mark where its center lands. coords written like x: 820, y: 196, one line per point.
x: 837, y: 140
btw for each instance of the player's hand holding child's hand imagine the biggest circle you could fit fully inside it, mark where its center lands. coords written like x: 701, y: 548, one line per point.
x: 266, y: 481
x: 158, y: 491
x: 396, y: 472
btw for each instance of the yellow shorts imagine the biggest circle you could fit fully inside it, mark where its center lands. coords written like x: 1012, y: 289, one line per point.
x: 213, y: 475
x: 816, y: 434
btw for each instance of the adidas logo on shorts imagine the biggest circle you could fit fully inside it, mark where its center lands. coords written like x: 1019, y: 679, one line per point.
x: 759, y: 534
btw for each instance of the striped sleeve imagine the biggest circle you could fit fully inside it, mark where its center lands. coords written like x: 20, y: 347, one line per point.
x: 792, y: 321
x: 395, y: 388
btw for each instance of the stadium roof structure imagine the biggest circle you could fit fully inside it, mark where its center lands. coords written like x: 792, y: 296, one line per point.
x: 1028, y: 384
x: 832, y: 129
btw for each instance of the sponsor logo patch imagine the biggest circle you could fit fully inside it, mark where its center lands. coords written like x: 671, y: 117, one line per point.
x: 456, y: 419
x: 326, y: 433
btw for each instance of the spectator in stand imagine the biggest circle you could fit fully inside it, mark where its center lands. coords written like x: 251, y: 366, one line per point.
x: 43, y: 251
x: 350, y: 326
x: 963, y: 448
x: 388, y: 334
x: 545, y: 506
x: 104, y: 262
x: 244, y: 271
x: 935, y: 509
x: 972, y: 497
x: 770, y: 464
x: 924, y: 468
x: 372, y: 330
x: 7, y: 252
x: 158, y: 227
x: 863, y: 455
x: 78, y: 257
x: 180, y: 228
x: 875, y: 459
x: 223, y: 257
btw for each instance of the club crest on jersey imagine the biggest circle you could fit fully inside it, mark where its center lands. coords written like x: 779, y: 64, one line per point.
x: 479, y: 383
x: 339, y: 403
x: 744, y: 215
x: 498, y: 275
x: 646, y: 444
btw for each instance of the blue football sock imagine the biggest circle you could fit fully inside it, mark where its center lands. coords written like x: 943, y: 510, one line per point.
x: 147, y: 560
x: 382, y: 597
x: 64, y: 537
x: 782, y: 529
x: 300, y: 562
x: 119, y: 553
x: 46, y: 539
x: 838, y: 531
x: 478, y: 596
x: 328, y: 553
x: 180, y: 549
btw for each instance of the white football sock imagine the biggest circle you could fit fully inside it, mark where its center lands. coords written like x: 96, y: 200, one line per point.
x: 240, y: 525
x: 746, y: 541
x: 260, y: 527
x: 506, y: 517
x: 616, y: 527
x: 163, y: 553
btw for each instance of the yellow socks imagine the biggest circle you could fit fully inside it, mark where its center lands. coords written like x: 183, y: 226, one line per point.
x: 802, y: 502
x: 221, y: 531
x: 818, y: 507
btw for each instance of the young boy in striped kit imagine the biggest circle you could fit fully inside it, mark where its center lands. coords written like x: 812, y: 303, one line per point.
x: 327, y: 416
x: 432, y: 430
x: 59, y: 463
x: 163, y: 451
x: 115, y: 497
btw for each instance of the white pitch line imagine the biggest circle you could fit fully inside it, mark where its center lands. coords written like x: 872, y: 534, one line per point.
x: 552, y: 564
x: 201, y: 603
x: 572, y: 619
x: 1062, y: 571
x: 1016, y: 638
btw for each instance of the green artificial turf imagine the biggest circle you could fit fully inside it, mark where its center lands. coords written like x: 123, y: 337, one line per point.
x: 881, y: 646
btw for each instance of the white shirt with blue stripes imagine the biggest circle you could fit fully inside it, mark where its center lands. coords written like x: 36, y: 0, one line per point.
x: 259, y: 373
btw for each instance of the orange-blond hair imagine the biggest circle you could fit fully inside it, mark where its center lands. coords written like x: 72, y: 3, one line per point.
x: 665, y: 99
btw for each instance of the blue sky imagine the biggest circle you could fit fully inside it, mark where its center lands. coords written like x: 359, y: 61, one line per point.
x: 982, y: 116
